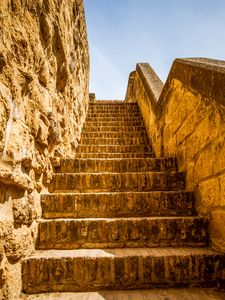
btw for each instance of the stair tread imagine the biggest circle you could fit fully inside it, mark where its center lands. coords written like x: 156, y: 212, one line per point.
x: 123, y: 219
x: 113, y: 155
x: 117, y: 159
x: 115, y: 193
x: 114, y: 181
x: 105, y: 145
x: 118, y: 204
x: 123, y: 252
x: 159, y: 294
x: 146, y: 152
x: 118, y: 173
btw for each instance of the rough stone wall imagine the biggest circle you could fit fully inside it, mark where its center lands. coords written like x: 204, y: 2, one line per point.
x: 44, y: 75
x: 190, y: 118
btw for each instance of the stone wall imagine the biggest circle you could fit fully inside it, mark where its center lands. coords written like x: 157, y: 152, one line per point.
x: 145, y: 87
x: 187, y: 120
x: 44, y: 74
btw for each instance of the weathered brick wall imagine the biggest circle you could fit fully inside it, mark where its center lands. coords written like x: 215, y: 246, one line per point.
x: 189, y: 119
x: 44, y: 72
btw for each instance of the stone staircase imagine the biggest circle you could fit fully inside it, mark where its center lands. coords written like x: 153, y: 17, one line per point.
x: 117, y: 218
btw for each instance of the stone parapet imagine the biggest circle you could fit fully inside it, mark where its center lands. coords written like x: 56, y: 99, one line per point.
x: 186, y: 119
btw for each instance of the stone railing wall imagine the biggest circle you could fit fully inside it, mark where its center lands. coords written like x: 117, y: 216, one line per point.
x: 186, y: 119
x: 44, y: 75
x: 145, y: 87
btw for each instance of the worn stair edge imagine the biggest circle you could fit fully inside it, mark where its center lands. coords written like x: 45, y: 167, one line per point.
x: 159, y: 294
x: 111, y: 111
x: 128, y: 112
x: 113, y: 134
x: 113, y: 148
x: 136, y: 181
x: 93, y: 106
x: 116, y: 165
x: 124, y: 129
x: 111, y: 102
x: 115, y: 141
x: 113, y: 105
x: 114, y: 155
x: 120, y: 114
x: 119, y: 123
x: 124, y: 118
x: 100, y: 233
x: 120, y: 269
x: 120, y: 204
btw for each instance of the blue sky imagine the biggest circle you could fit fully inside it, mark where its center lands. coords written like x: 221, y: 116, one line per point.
x: 124, y: 32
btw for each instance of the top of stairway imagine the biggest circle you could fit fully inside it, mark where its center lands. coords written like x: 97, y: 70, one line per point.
x: 115, y: 101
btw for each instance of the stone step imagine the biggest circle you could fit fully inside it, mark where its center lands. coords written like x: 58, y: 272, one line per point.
x: 114, y: 155
x: 113, y: 148
x: 124, y: 118
x: 139, y: 181
x: 122, y: 111
x: 154, y: 294
x: 117, y: 269
x: 119, y: 123
x: 105, y: 101
x: 87, y: 128
x: 120, y: 114
x: 116, y: 135
x: 117, y: 204
x: 113, y: 106
x: 100, y: 233
x: 117, y: 165
x: 119, y: 103
x: 114, y: 141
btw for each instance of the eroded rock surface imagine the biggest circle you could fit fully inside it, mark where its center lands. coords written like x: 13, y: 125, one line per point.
x: 44, y: 70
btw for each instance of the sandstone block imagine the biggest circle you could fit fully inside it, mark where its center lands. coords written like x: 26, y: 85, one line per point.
x: 114, y: 155
x: 119, y: 123
x: 218, y: 153
x: 122, y: 232
x: 113, y: 135
x: 117, y: 204
x: 115, y: 141
x: 217, y: 229
x: 203, y: 165
x: 118, y: 118
x: 125, y: 128
x: 119, y: 269
x: 140, y: 181
x: 113, y: 149
x: 209, y: 194
x: 108, y: 114
x: 116, y: 165
x: 222, y: 189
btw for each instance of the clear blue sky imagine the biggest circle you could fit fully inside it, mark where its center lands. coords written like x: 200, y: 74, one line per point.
x: 124, y: 32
